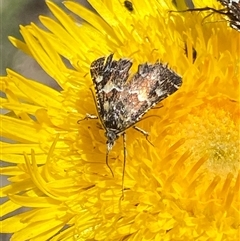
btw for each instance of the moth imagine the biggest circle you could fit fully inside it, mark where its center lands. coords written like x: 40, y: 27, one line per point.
x: 121, y: 100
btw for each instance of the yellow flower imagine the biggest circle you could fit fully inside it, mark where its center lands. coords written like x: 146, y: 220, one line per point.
x: 185, y: 187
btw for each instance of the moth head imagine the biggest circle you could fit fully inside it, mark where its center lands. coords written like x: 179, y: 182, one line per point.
x: 111, y: 138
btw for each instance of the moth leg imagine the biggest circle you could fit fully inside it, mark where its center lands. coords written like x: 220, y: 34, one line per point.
x: 145, y: 133
x: 87, y: 117
x: 99, y: 126
x: 124, y: 162
x: 157, y: 107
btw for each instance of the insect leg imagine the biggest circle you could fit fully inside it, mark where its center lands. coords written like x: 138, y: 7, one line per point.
x: 87, y: 117
x: 146, y: 134
x: 124, y: 162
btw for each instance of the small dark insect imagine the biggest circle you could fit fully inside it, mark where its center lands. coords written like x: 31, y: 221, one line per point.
x: 122, y: 101
x: 128, y: 5
x: 194, y: 52
x: 231, y: 10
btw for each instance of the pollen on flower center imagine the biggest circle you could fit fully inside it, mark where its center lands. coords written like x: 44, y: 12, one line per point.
x: 212, y: 130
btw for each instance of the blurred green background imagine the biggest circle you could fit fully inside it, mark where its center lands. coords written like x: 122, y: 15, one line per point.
x: 14, y: 13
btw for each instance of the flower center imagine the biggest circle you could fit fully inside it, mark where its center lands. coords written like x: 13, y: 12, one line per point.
x: 212, y: 130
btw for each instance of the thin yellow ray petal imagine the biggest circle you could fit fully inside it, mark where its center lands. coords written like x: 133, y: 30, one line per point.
x: 43, y: 57
x: 59, y: 33
x: 15, y: 188
x: 7, y: 148
x: 42, y: 37
x: 13, y: 99
x: 9, y: 207
x: 50, y: 213
x: 13, y: 224
x: 34, y: 229
x: 37, y: 202
x: 65, y: 20
x: 10, y: 171
x: 104, y: 12
x: 38, y: 93
x: 48, y: 234
x: 65, y: 235
x: 119, y: 10
x: 74, y: 50
x: 92, y: 18
x: 20, y: 107
x: 19, y: 158
x: 20, y: 45
x: 181, y: 5
x: 22, y: 131
x: 6, y: 83
x: 39, y: 180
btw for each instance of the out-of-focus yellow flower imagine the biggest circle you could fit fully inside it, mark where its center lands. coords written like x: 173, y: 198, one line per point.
x: 185, y: 187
